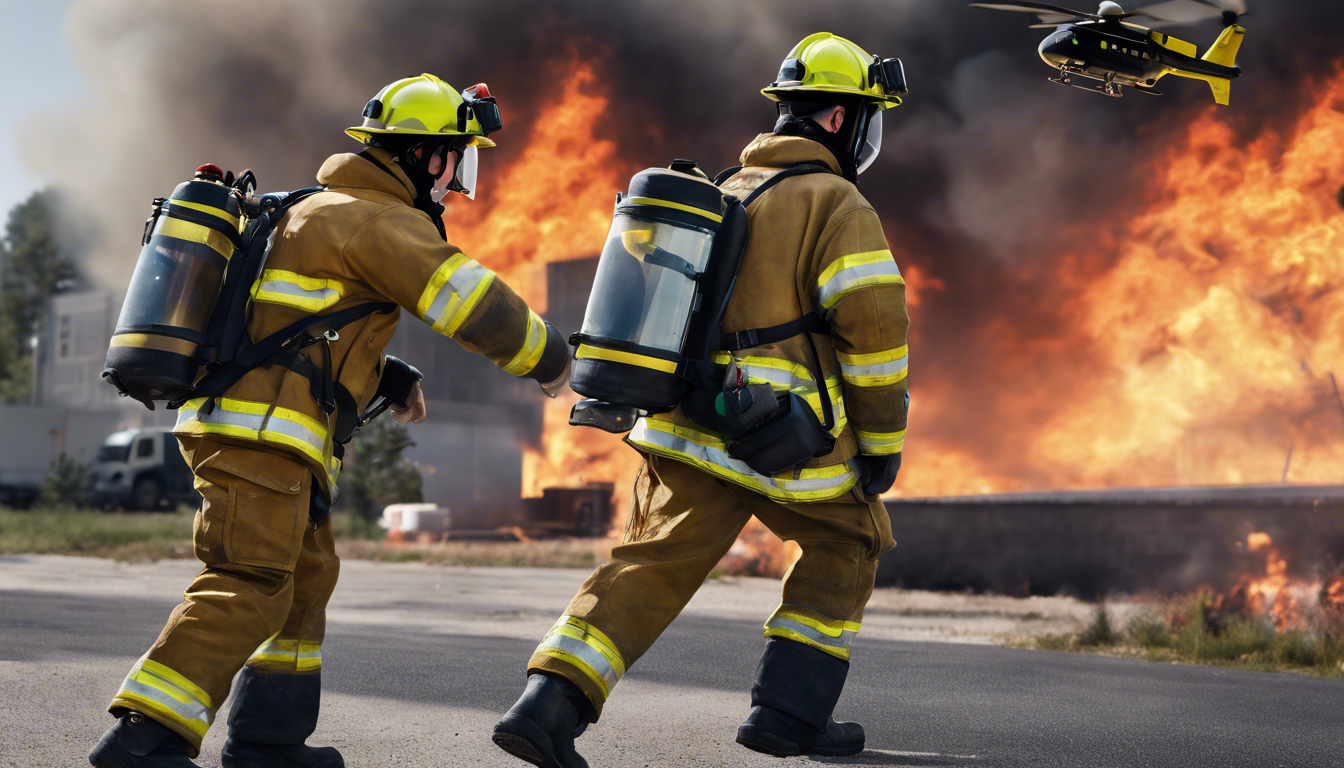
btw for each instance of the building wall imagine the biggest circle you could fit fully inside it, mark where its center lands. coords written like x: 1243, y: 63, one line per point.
x: 1121, y: 541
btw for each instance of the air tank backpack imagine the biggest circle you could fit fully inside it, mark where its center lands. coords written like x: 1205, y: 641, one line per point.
x: 182, y: 332
x: 655, y: 316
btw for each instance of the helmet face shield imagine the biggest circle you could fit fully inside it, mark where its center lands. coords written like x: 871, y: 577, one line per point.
x: 872, y: 143
x: 464, y: 179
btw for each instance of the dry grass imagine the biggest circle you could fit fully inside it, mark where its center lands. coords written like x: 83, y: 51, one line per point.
x: 1191, y: 633
x: 123, y: 536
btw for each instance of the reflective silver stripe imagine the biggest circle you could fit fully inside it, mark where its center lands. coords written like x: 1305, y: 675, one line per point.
x: 454, y: 299
x: 876, y: 369
x: 717, y: 461
x: 534, y: 344
x: 223, y: 416
x: 193, y: 710
x: 324, y: 297
x: 583, y: 652
x: 844, y: 641
x: 258, y: 421
x: 880, y: 443
x: 850, y: 279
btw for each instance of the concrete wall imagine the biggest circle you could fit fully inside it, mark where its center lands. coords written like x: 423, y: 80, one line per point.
x: 1114, y: 541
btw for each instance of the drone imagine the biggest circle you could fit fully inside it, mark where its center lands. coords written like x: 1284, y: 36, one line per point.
x: 1103, y: 52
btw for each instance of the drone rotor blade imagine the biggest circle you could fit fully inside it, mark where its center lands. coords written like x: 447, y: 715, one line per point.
x: 1046, y: 11
x: 1181, y: 12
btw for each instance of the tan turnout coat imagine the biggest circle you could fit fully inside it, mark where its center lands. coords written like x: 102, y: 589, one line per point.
x: 816, y: 245
x: 360, y: 241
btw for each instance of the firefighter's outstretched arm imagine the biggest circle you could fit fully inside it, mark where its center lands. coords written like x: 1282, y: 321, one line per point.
x: 400, y: 254
x: 860, y: 292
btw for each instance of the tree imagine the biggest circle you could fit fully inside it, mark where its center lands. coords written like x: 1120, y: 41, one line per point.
x: 33, y: 268
x: 66, y: 484
x: 378, y: 474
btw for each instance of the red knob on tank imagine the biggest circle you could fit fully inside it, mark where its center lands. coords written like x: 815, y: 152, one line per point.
x: 210, y: 172
x: 480, y: 91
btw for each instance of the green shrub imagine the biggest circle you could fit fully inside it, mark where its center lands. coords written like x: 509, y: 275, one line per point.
x: 66, y: 484
x: 1147, y: 631
x: 1098, y: 632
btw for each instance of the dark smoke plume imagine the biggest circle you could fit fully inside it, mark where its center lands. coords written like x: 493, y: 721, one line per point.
x: 986, y: 169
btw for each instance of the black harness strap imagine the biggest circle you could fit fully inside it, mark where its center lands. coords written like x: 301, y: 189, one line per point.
x: 726, y: 174
x: 291, y: 338
x: 806, y: 325
x: 755, y: 337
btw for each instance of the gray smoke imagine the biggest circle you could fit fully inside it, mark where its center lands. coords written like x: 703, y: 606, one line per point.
x: 986, y: 169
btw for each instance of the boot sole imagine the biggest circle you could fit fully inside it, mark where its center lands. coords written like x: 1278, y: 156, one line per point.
x: 521, y: 738
x: 768, y: 743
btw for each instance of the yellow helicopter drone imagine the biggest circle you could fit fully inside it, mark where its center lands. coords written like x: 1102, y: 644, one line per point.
x: 1105, y: 48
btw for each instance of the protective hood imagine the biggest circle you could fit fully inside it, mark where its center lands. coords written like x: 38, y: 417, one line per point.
x: 792, y: 125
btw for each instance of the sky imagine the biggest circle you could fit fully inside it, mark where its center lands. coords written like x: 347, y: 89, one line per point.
x: 38, y: 75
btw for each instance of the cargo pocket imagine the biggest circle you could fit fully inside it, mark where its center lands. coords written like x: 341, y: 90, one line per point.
x: 266, y: 507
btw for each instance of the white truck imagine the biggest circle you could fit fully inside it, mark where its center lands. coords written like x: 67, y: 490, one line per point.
x: 141, y: 469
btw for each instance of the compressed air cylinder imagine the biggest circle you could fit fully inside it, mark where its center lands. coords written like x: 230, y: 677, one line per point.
x: 155, y: 350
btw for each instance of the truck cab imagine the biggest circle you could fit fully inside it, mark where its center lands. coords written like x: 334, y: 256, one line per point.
x: 141, y: 469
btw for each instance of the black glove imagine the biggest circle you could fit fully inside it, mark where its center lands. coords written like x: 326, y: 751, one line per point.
x: 877, y: 473
x: 399, y: 378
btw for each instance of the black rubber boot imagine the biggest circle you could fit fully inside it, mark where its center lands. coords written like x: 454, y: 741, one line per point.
x: 543, y: 723
x: 137, y: 741
x: 795, y: 693
x: 273, y: 714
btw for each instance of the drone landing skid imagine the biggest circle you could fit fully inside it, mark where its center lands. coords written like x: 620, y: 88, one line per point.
x: 1105, y: 89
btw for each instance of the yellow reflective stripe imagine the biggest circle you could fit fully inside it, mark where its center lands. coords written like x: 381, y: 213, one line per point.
x: 848, y: 274
x: 874, y: 358
x: 534, y: 344
x: 259, y: 421
x: 876, y: 369
x: 835, y: 637
x: 714, y: 217
x: 159, y: 691
x: 453, y: 292
x: 880, y: 443
x: 155, y: 341
x: 195, y: 233
x: 586, y: 352
x: 191, y: 689
x: 579, y: 643
x: 707, y: 452
x: 279, y: 286
x: 219, y: 213
x: 302, y: 654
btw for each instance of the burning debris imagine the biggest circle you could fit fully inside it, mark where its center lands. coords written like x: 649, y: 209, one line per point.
x: 1279, y: 598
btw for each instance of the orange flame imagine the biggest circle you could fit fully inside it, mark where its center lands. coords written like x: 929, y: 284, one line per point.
x: 1199, y: 342
x: 553, y: 203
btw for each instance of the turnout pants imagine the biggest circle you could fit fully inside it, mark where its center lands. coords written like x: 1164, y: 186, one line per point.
x: 681, y: 523
x: 260, y: 600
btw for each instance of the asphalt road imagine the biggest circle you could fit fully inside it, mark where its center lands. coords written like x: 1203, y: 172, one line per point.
x: 420, y: 661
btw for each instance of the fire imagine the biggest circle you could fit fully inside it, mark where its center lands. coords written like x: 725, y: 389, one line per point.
x: 553, y: 203
x: 1287, y: 601
x: 1197, y: 342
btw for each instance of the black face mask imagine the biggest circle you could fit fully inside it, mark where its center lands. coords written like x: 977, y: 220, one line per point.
x: 839, y: 143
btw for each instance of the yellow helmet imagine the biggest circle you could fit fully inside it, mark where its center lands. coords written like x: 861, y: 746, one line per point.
x: 427, y: 106
x: 825, y: 63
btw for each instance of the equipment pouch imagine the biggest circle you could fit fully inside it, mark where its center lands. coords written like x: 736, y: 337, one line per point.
x: 792, y: 435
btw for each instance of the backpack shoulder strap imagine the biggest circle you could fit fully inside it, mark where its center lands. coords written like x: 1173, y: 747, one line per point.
x: 726, y: 174
x: 802, y: 169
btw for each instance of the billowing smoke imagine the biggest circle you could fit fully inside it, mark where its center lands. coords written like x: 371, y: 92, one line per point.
x: 984, y: 155
x: 987, y: 170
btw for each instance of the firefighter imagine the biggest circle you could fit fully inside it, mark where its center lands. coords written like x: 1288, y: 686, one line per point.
x: 816, y: 246
x: 266, y: 455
